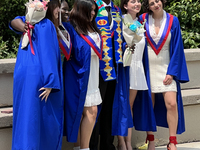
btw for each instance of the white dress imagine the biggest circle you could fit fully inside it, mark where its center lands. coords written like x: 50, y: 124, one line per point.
x: 93, y: 96
x: 137, y: 76
x: 158, y: 64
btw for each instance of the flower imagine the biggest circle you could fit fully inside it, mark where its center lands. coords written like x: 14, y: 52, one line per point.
x: 135, y: 26
x: 132, y: 33
x: 36, y: 11
x: 37, y: 5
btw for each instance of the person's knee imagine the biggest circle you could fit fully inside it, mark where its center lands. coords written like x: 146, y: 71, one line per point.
x: 94, y: 113
x: 91, y: 113
x: 172, y: 106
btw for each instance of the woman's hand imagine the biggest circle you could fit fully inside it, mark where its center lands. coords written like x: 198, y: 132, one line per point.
x: 168, y: 80
x: 25, y: 27
x: 45, y: 93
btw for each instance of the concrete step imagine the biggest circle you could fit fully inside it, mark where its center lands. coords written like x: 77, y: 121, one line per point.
x: 191, y: 96
x: 6, y: 117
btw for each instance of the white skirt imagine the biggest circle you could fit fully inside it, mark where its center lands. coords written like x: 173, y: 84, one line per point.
x: 137, y: 76
x: 93, y: 96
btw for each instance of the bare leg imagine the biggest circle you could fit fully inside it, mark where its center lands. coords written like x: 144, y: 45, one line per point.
x: 121, y: 143
x: 172, y: 114
x: 128, y: 139
x: 132, y: 97
x: 125, y: 142
x: 151, y: 145
x: 87, y: 125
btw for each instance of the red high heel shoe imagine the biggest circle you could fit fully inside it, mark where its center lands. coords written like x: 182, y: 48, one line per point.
x: 172, y: 139
x: 150, y: 137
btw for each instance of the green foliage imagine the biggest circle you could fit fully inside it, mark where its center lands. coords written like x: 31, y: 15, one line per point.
x: 117, y: 2
x: 4, y: 50
x: 188, y: 14
x: 9, y: 9
x: 70, y: 3
x: 3, y: 47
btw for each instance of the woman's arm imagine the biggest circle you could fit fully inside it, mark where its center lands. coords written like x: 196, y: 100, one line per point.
x: 19, y: 25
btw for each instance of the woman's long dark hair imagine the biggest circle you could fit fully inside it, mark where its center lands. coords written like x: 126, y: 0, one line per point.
x: 145, y: 5
x: 49, y: 14
x: 81, y: 14
x: 124, y: 11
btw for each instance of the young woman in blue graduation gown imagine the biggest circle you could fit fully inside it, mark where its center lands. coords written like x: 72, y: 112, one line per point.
x: 136, y: 73
x: 162, y: 103
x: 81, y: 74
x: 38, y: 123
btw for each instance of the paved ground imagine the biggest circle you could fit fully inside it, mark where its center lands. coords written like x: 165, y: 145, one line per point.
x: 185, y: 146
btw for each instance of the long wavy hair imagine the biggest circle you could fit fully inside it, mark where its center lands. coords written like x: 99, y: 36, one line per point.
x: 145, y: 5
x: 80, y: 16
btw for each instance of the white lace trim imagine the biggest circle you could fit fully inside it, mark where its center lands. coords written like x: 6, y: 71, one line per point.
x: 93, y: 99
x: 156, y: 37
x: 164, y: 88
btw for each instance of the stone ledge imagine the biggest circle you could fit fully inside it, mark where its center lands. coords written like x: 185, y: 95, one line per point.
x: 6, y: 119
x: 191, y: 97
x: 7, y: 65
x: 192, y: 54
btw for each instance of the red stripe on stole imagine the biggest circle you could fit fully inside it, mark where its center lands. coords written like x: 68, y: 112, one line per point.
x: 157, y: 51
x: 64, y: 51
x: 93, y: 47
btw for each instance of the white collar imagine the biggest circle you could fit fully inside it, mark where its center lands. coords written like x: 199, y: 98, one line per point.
x: 107, y: 4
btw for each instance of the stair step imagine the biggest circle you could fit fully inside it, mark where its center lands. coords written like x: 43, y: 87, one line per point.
x: 191, y: 96
x: 6, y: 117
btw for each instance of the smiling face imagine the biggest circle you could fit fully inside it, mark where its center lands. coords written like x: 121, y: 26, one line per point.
x: 133, y: 7
x: 64, y: 11
x: 92, y: 12
x: 155, y: 6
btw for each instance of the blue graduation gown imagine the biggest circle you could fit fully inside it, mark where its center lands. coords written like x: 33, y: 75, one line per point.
x: 145, y: 117
x: 38, y: 125
x: 121, y: 112
x: 76, y: 75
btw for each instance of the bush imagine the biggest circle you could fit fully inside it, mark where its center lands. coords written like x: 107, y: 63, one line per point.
x: 188, y: 14
x: 4, y: 50
x: 186, y: 10
x: 8, y: 10
x: 70, y: 3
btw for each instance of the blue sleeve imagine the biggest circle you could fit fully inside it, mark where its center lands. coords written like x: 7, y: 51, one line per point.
x: 177, y: 66
x: 18, y: 17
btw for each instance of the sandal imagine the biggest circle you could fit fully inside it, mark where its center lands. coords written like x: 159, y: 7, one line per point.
x: 150, y: 137
x: 172, y: 139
